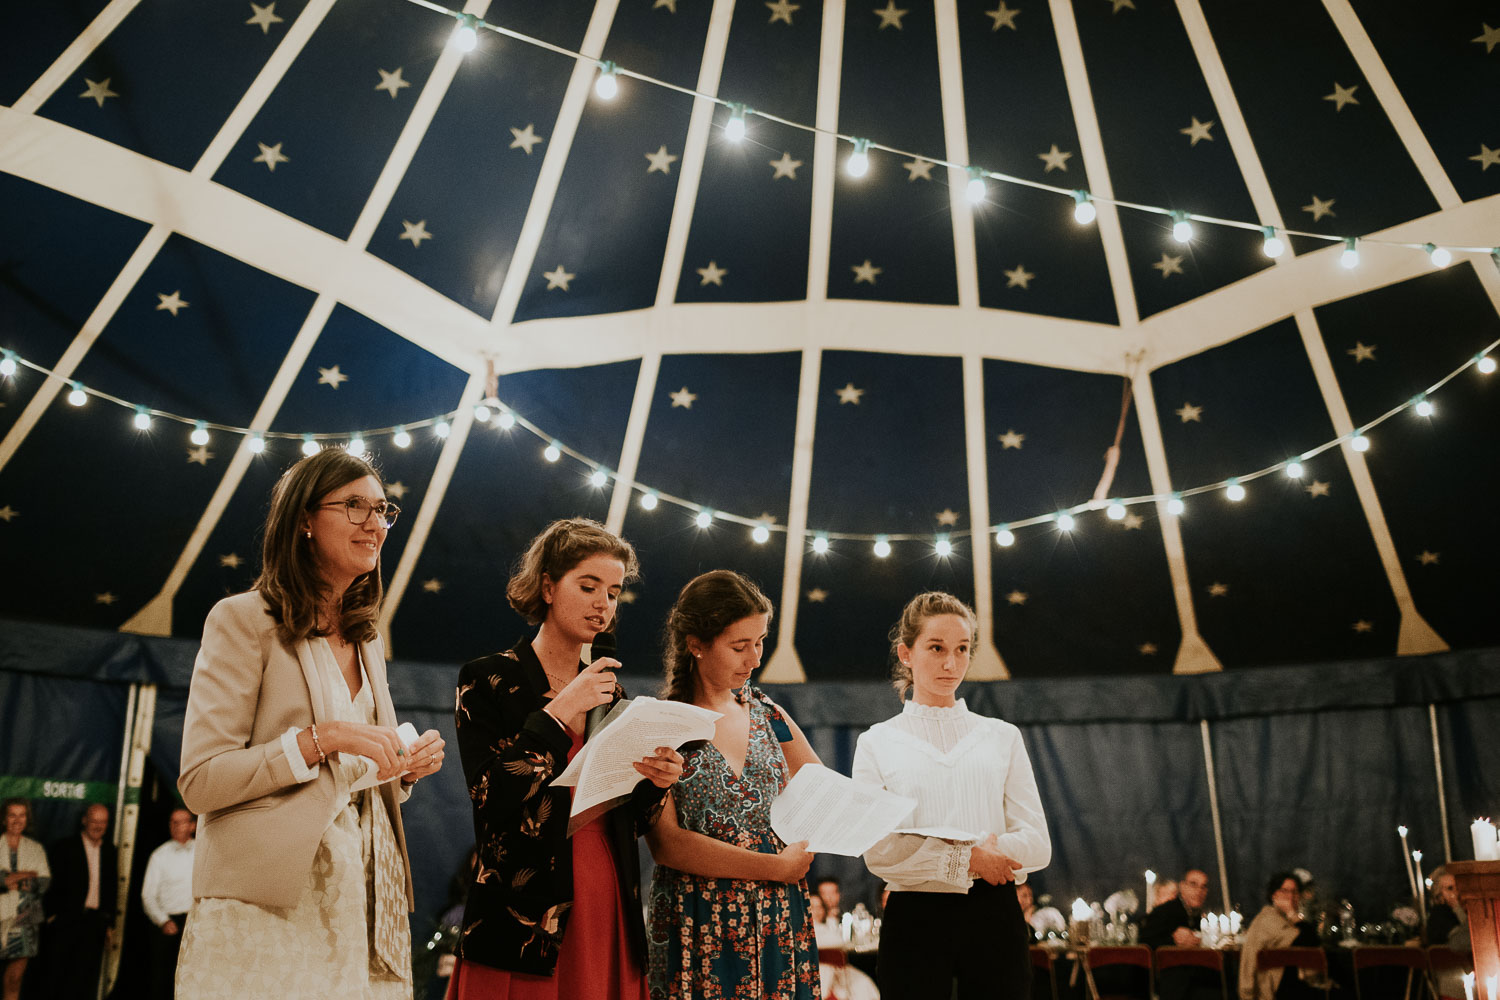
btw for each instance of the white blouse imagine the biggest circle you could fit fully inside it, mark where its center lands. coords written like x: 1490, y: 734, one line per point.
x: 970, y: 774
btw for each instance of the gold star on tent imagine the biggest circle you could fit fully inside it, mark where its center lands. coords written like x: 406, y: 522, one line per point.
x: 1019, y: 277
x: 1363, y: 626
x: 558, y: 278
x: 416, y: 232
x: 1317, y: 488
x: 525, y: 138
x: 918, y: 170
x: 98, y: 91
x: 1218, y: 589
x: 199, y: 456
x: 433, y: 585
x: 1198, y: 131
x: 1342, y: 96
x: 1146, y: 649
x: 766, y: 517
x: 1169, y: 265
x: 947, y: 517
x: 1190, y: 413
x: 1427, y: 558
x: 391, y: 82
x: 866, y: 272
x: 781, y: 10
x: 396, y: 490
x: 627, y: 597
x: 1010, y: 439
x: 849, y: 394
x: 270, y: 156
x: 264, y: 17
x: 1320, y: 207
x: 231, y: 561
x: 1116, y: 7
x: 1003, y: 16
x: 8, y: 513
x: 671, y: 5
x: 1489, y: 38
x: 1362, y: 352
x: 1487, y: 157
x: 332, y: 377
x: 105, y: 598
x: 1016, y: 597
x: 890, y: 15
x: 171, y: 303
x: 785, y: 167
x: 713, y: 274
x: 661, y: 161
x: 1055, y: 158
x: 682, y: 398
x: 817, y: 595
x: 1132, y: 521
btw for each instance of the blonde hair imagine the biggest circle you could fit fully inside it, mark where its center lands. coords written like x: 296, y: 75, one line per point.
x: 560, y: 547
x: 708, y: 605
x: 914, y: 616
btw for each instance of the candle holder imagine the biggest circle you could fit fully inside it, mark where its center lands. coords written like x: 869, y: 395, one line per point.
x: 1080, y: 933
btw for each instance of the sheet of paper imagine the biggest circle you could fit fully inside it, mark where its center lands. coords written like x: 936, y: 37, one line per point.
x: 835, y: 814
x: 603, y: 769
x: 408, y: 734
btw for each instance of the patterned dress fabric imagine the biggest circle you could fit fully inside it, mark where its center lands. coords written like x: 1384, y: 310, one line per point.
x: 733, y: 939
x: 323, y: 948
x: 22, y: 917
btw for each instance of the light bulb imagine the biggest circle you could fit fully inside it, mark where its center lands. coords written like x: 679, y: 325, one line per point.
x: 1084, y: 211
x: 356, y: 447
x: 976, y: 190
x: 465, y: 37
x: 1005, y: 538
x: 1175, y: 505
x: 199, y: 435
x: 142, y: 419
x: 598, y: 478
x: 607, y: 85
x: 507, y: 420
x: 943, y: 547
x: 1294, y: 469
x: 78, y: 397
x: 1350, y: 257
x: 1273, y: 247
x: 858, y: 163
x: 401, y: 439
x: 1234, y: 491
x: 309, y: 446
x: 761, y: 534
x: 648, y: 501
x: 734, y: 130
x: 7, y: 365
x: 1182, y: 229
x: 1115, y: 511
x: 704, y: 519
x: 1359, y: 442
x: 1065, y: 522
x: 442, y: 428
x: 257, y: 444
x: 1486, y: 365
x: 482, y: 413
x: 820, y: 545
x: 1439, y: 256
x: 882, y: 547
x: 552, y: 452
x: 1424, y: 406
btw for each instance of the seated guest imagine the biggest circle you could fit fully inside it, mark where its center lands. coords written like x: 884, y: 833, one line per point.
x: 1027, y: 898
x: 1447, y: 915
x: 166, y: 897
x: 1165, y: 892
x: 837, y: 980
x: 1176, y: 922
x: 828, y: 890
x: 1279, y: 924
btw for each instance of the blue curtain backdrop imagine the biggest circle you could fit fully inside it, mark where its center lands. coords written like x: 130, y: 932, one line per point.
x: 1316, y: 766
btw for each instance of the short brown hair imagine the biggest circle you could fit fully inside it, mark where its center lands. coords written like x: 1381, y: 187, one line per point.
x: 289, y: 579
x: 913, y: 617
x: 23, y: 803
x: 708, y: 605
x: 561, y: 546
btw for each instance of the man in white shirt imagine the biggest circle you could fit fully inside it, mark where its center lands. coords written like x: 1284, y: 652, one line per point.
x: 166, y: 896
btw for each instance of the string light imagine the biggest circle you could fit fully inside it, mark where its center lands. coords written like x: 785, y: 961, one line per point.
x: 648, y: 501
x: 199, y: 436
x: 1065, y: 521
x: 1294, y: 469
x: 1423, y: 406
x: 442, y: 429
x: 142, y: 419
x: 976, y: 189
x: 761, y: 534
x: 257, y: 444
x: 1004, y: 537
x: 1439, y: 256
x: 552, y: 452
x: 1350, y: 257
x: 882, y: 546
x: 309, y: 445
x: 401, y: 439
x: 1273, y: 247
x: 1182, y: 229
x: 78, y: 397
x: 1175, y: 505
x: 608, y: 84
x: 820, y: 544
x: 1234, y: 491
x: 943, y: 547
x: 1084, y: 211
x: 598, y: 477
x: 858, y: 163
x: 482, y: 413
x: 734, y: 130
x: 1115, y: 511
x: 8, y: 364
x: 704, y: 519
x: 356, y: 446
x: 465, y: 36
x: 1485, y: 364
x: 507, y: 419
x: 1359, y: 442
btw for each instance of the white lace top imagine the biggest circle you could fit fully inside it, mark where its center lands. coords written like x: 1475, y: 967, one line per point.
x: 970, y: 775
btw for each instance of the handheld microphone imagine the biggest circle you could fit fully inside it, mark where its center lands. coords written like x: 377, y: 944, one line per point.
x: 602, y: 646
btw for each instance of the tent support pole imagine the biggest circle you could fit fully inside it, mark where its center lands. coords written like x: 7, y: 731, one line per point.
x: 1437, y: 764
x: 1213, y: 804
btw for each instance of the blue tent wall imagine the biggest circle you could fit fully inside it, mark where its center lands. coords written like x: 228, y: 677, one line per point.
x: 1316, y: 766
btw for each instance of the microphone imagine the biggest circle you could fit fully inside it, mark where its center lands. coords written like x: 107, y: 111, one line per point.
x: 602, y: 646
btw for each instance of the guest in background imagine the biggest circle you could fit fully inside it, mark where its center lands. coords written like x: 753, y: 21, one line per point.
x: 827, y: 889
x: 166, y: 897
x: 23, y: 866
x: 1176, y: 921
x: 1446, y: 915
x: 1279, y: 924
x: 839, y: 979
x: 301, y: 884
x: 729, y: 904
x: 953, y: 913
x: 1165, y: 892
x: 1026, y: 900
x: 80, y: 907
x: 549, y: 915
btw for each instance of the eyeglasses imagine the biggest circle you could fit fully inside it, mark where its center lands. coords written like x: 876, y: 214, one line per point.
x: 357, y: 510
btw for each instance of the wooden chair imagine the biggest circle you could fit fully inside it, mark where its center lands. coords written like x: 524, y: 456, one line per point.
x: 1042, y: 962
x: 1117, y: 956
x: 1442, y: 959
x: 1388, y: 957
x: 1309, y: 959
x: 1172, y: 957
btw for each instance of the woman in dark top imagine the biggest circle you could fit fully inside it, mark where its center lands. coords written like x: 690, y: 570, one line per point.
x: 551, y: 916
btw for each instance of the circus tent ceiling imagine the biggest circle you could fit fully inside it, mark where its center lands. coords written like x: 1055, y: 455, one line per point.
x: 323, y: 218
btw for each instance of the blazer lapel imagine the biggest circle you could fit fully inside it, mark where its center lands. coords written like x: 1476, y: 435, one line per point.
x: 314, y: 681
x: 373, y: 655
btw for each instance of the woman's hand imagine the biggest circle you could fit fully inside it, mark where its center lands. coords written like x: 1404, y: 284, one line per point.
x: 379, y: 743
x: 795, y: 862
x: 424, y: 756
x: 18, y: 879
x: 663, y: 769
x: 594, y: 685
x: 988, y: 863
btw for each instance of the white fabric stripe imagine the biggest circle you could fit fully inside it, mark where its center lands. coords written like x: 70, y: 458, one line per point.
x: 956, y: 140
x: 825, y: 152
x: 73, y: 56
x: 985, y: 663
x: 635, y: 438
x: 785, y: 665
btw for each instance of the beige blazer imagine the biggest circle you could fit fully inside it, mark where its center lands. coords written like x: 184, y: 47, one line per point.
x: 259, y: 827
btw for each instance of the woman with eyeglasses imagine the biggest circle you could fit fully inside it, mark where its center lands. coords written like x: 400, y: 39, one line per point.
x: 301, y: 886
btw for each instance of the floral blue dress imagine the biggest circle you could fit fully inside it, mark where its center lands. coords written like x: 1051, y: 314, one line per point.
x: 732, y: 939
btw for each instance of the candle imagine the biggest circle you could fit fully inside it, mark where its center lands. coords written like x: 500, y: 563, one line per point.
x: 1468, y: 986
x: 1483, y: 832
x: 1082, y: 911
x: 1489, y: 985
x: 1234, y: 922
x: 1150, y: 889
x: 1416, y: 857
x: 1411, y: 876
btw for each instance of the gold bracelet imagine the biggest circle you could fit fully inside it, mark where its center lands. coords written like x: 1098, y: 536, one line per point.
x: 322, y: 757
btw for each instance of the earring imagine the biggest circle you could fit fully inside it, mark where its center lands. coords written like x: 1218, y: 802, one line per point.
x: 308, y: 533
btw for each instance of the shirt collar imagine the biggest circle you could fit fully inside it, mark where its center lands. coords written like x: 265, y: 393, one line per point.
x: 952, y: 712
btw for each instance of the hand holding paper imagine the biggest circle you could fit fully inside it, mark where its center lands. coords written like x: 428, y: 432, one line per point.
x: 835, y: 814
x: 605, y: 768
x: 408, y: 734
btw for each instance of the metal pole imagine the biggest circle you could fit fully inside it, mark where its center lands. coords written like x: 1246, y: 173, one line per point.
x: 140, y: 745
x: 1213, y: 804
x: 125, y: 757
x: 1437, y: 764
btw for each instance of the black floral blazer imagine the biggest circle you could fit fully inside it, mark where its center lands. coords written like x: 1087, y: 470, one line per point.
x: 518, y: 902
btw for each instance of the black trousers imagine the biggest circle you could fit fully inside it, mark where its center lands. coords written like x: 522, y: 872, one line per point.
x: 164, y: 948
x: 74, y: 946
x: 930, y: 939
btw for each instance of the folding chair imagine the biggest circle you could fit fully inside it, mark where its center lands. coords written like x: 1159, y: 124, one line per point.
x: 1443, y: 960
x: 1309, y: 959
x: 837, y: 960
x: 1134, y: 955
x: 1172, y: 957
x: 1387, y: 957
x: 1042, y: 962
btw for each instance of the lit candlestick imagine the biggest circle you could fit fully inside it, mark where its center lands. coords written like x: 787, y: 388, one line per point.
x: 1082, y: 911
x: 1468, y: 986
x: 1416, y: 857
x: 1150, y: 889
x: 1484, y: 840
x: 1411, y: 876
x: 1234, y: 922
